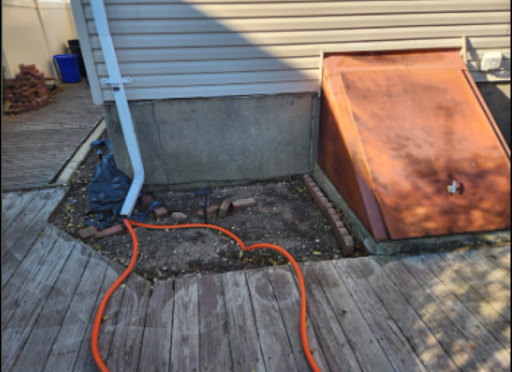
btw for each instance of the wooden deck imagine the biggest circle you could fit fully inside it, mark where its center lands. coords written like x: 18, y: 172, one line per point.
x: 434, y: 312
x: 37, y: 144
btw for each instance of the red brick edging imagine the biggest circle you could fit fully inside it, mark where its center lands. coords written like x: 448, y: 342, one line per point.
x: 341, y: 233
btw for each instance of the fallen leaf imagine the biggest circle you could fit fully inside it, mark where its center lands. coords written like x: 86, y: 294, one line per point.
x: 104, y: 318
x: 317, y: 253
x: 241, y: 253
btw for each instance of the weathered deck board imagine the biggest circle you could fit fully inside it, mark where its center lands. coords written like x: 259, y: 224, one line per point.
x: 20, y: 320
x: 429, y: 350
x: 368, y: 352
x: 35, y: 352
x: 85, y: 361
x: 27, y: 215
x: 243, y: 336
x: 387, y: 333
x: 487, y: 269
x: 213, y: 326
x: 436, y: 312
x: 275, y: 345
x: 64, y: 349
x: 30, y: 266
x: 288, y: 298
x: 49, y: 270
x: 333, y: 340
x: 8, y: 199
x: 20, y: 246
x: 12, y: 211
x: 155, y: 354
x: 497, y: 358
x: 185, y: 354
x: 463, y: 352
x: 494, y: 293
x: 30, y: 141
x: 491, y: 319
x: 126, y: 344
x: 500, y: 256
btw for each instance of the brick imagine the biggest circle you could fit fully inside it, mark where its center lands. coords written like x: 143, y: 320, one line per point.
x: 244, y: 203
x: 87, y: 232
x: 224, y: 207
x: 146, y: 200
x: 113, y: 230
x: 161, y: 212
x: 178, y: 216
x: 210, y: 211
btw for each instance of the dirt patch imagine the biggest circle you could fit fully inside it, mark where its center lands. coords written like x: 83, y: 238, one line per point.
x: 285, y: 214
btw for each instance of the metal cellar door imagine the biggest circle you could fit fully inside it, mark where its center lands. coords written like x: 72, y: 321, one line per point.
x: 410, y: 124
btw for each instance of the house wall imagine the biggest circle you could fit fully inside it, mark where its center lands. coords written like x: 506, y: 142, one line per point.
x: 23, y: 38
x: 206, y: 48
x: 182, y: 53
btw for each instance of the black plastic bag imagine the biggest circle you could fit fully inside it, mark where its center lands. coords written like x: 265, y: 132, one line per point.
x: 107, y: 191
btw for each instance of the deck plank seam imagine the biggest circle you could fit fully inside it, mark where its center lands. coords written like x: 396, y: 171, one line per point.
x: 319, y: 344
x: 91, y: 317
x: 253, y: 313
x: 227, y: 323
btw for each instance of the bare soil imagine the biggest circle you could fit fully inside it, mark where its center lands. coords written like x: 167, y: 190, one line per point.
x: 285, y: 215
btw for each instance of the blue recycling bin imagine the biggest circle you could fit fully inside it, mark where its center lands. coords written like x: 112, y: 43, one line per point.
x: 67, y: 65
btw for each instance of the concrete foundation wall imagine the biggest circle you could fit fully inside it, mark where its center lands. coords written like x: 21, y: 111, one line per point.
x: 211, y: 140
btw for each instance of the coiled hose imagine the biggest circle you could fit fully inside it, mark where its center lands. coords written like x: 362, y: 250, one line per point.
x: 129, y: 225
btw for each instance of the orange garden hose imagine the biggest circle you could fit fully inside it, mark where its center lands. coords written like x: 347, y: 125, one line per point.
x: 99, y: 315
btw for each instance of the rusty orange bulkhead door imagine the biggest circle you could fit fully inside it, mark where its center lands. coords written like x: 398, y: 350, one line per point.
x: 397, y: 129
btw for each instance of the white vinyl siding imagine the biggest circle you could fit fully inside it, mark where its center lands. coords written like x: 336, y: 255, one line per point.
x: 205, y: 48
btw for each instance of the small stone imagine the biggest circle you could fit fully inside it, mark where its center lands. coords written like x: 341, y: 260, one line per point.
x: 224, y: 208
x: 244, y: 203
x: 87, y: 232
x: 178, y: 216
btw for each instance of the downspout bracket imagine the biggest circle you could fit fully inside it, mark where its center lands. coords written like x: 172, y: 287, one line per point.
x: 113, y: 82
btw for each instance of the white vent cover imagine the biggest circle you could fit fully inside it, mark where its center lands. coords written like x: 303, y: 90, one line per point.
x: 491, y: 61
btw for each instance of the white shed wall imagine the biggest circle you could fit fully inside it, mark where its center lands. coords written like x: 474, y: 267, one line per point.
x: 23, y: 39
x: 205, y: 48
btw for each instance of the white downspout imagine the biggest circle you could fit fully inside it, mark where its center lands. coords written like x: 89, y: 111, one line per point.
x: 116, y: 81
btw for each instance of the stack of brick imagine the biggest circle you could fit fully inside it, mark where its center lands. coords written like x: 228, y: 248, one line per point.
x: 27, y: 91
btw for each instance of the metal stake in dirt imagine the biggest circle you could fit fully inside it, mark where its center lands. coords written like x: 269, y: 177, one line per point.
x: 203, y: 202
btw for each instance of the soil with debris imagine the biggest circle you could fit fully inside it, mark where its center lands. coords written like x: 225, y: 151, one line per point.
x: 285, y: 214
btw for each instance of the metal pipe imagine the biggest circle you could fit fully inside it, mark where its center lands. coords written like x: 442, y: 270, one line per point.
x: 116, y: 82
